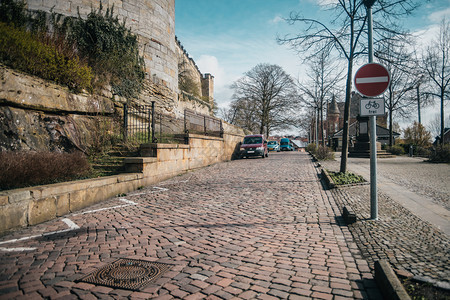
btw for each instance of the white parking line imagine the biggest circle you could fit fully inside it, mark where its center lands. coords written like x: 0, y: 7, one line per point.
x: 176, y: 182
x: 129, y: 203
x: 19, y: 249
x: 157, y: 188
x: 72, y: 226
x: 68, y: 222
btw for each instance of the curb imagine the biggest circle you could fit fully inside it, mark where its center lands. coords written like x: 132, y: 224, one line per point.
x: 390, y: 286
x: 349, y: 215
x: 328, y: 180
x: 331, y: 185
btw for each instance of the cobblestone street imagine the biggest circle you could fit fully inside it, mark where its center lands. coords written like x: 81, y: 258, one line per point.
x: 405, y: 239
x: 244, y: 229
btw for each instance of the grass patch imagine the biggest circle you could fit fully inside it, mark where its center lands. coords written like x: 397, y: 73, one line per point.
x: 345, y: 178
x: 420, y: 290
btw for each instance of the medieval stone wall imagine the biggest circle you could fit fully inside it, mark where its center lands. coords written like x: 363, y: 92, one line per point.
x: 205, y: 83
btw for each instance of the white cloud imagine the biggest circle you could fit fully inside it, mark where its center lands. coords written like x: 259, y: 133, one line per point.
x: 437, y: 16
x: 425, y: 37
x: 276, y: 19
x: 210, y: 64
x: 325, y: 2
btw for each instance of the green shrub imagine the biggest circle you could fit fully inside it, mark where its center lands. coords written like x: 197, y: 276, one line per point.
x: 396, y: 150
x: 311, y: 148
x: 112, y: 51
x: 422, y: 151
x: 22, y: 169
x: 106, y: 45
x: 441, y: 154
x: 14, y: 12
x: 21, y: 50
x: 324, y: 153
x: 345, y: 178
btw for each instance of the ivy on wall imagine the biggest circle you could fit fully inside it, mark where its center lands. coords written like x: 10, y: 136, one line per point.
x: 99, y: 49
x: 111, y: 50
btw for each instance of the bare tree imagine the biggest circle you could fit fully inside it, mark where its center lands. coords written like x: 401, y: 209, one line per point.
x: 323, y: 78
x: 435, y: 124
x: 405, y: 78
x: 436, y: 63
x: 269, y: 94
x: 344, y: 33
x: 242, y: 113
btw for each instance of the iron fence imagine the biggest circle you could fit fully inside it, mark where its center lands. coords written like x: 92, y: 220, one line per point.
x: 202, y: 124
x: 137, y: 123
x: 142, y: 124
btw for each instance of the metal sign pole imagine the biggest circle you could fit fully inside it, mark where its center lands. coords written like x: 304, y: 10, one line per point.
x: 373, y: 129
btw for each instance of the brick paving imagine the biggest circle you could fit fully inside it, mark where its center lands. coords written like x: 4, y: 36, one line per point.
x: 411, y: 245
x: 245, y: 229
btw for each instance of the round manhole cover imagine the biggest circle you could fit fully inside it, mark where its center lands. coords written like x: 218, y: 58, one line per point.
x: 127, y: 274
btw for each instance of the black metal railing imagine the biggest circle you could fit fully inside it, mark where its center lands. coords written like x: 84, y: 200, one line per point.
x: 142, y: 124
x: 202, y: 124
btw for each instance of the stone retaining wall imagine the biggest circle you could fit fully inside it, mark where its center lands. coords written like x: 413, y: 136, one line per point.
x: 31, y: 206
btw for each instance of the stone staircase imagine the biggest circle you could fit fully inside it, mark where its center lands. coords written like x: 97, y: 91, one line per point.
x: 111, y: 162
x: 362, y: 150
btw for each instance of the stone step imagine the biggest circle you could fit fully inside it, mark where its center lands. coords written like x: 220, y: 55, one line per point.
x: 380, y: 154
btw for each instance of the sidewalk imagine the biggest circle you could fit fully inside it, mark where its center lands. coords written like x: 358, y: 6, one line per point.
x: 245, y: 229
x: 412, y: 230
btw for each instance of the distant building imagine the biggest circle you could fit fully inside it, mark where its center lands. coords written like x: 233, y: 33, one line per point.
x: 446, y: 137
x: 334, y: 121
x: 299, y: 145
x: 382, y: 136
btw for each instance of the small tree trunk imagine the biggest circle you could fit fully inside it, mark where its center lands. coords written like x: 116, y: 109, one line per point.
x: 348, y: 89
x: 391, y: 95
x: 321, y: 125
x: 442, y: 116
x: 418, y: 103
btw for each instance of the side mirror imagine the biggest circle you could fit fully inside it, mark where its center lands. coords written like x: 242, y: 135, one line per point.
x: 265, y: 142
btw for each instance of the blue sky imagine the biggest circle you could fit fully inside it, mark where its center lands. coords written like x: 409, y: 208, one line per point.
x: 229, y: 37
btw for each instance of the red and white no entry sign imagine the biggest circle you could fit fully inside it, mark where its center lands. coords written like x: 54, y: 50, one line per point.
x: 372, y: 80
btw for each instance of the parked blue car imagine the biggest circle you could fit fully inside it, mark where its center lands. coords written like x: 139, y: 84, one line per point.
x: 286, y: 145
x: 273, y: 146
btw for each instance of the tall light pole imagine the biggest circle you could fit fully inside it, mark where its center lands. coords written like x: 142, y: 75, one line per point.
x: 373, y: 124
